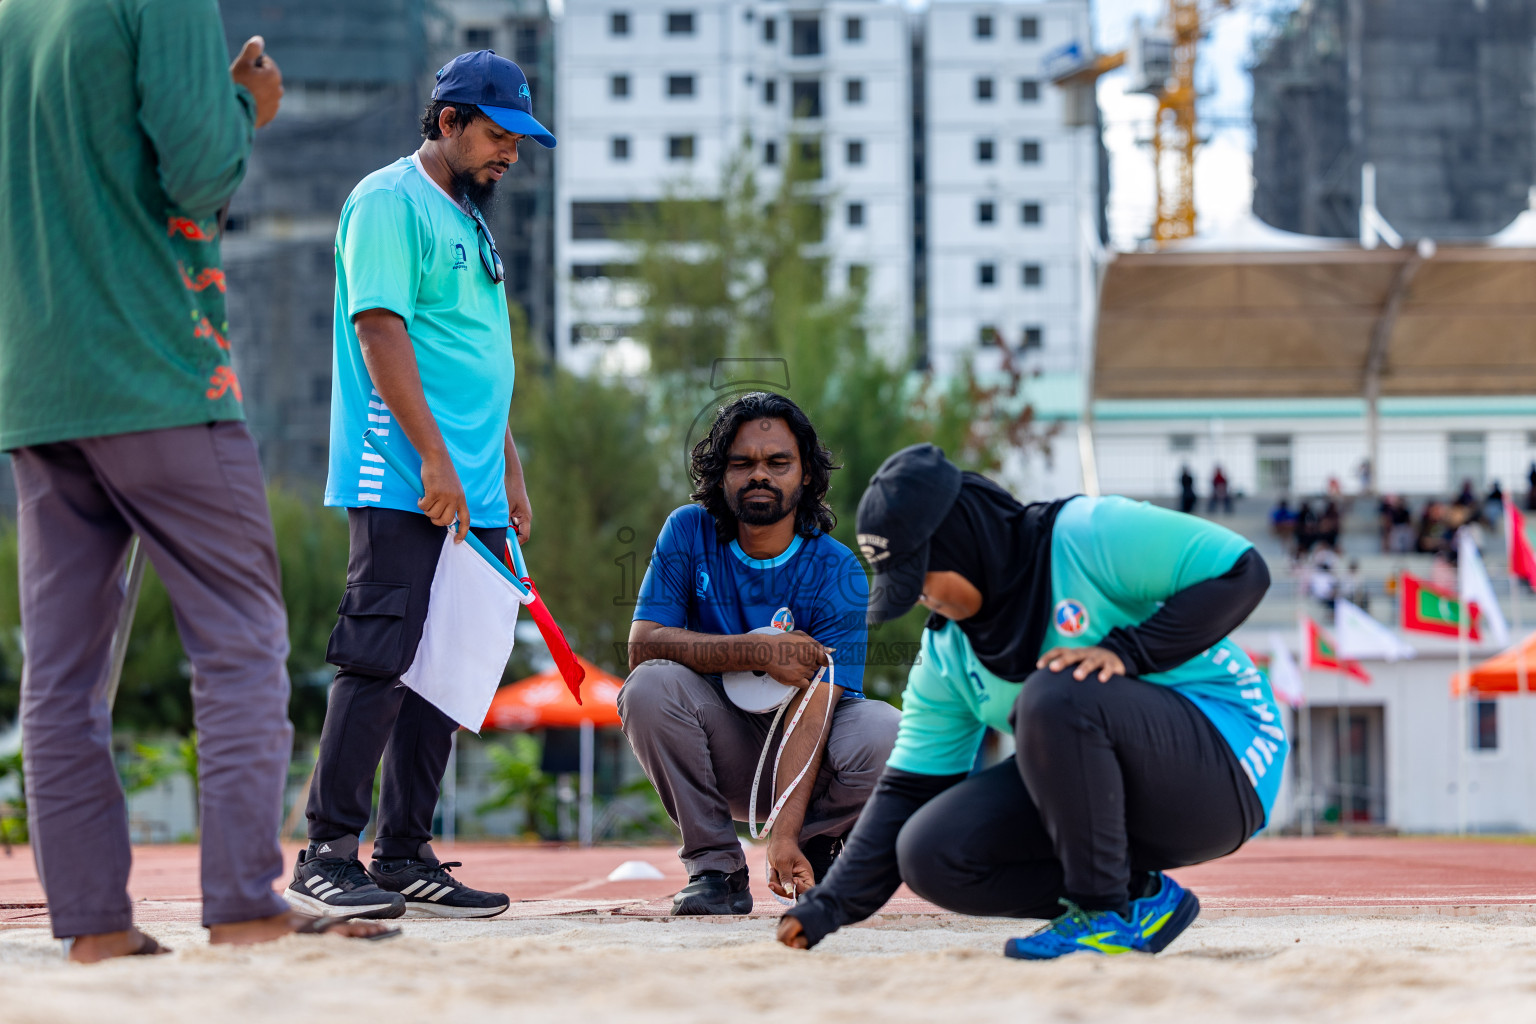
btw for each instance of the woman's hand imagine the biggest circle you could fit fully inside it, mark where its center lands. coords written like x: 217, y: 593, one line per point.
x: 791, y: 934
x: 1087, y: 659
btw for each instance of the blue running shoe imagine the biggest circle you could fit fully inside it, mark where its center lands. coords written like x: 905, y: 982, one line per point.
x: 1162, y: 917
x: 1156, y: 921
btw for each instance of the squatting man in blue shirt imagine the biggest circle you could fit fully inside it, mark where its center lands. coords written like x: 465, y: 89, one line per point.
x: 754, y: 553
x: 423, y: 356
x: 1095, y: 630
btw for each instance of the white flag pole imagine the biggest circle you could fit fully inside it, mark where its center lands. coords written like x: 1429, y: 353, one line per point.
x: 1464, y: 663
x: 1343, y: 743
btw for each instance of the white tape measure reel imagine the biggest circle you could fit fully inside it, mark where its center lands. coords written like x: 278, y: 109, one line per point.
x: 757, y: 692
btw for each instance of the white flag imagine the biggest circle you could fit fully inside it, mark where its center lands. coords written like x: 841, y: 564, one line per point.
x: 1357, y: 635
x: 1284, y: 673
x: 468, y: 635
x: 1473, y: 585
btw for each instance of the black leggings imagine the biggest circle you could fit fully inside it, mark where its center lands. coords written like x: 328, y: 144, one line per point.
x: 1110, y: 781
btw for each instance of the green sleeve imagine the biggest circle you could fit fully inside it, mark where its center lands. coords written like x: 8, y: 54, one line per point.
x: 201, y: 124
x: 381, y: 254
x: 939, y: 733
x: 1146, y: 554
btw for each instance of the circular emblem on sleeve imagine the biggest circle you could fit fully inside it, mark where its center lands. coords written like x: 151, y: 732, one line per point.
x: 784, y: 619
x: 1071, y: 617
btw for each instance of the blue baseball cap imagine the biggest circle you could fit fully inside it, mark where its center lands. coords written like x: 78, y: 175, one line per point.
x: 495, y: 85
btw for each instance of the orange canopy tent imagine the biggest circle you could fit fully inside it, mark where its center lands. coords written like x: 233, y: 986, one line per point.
x: 1501, y: 673
x: 543, y: 701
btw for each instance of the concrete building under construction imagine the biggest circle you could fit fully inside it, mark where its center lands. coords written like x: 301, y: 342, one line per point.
x: 1438, y: 95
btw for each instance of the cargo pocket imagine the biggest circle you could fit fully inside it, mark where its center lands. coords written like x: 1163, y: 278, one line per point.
x: 370, y: 629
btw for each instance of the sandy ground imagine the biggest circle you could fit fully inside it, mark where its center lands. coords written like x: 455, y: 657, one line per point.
x: 1354, y: 968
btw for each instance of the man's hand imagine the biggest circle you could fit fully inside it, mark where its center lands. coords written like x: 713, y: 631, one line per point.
x: 260, y: 75
x: 444, y: 500
x: 791, y: 933
x: 793, y: 658
x: 789, y: 873
x: 1087, y: 659
x: 520, y: 510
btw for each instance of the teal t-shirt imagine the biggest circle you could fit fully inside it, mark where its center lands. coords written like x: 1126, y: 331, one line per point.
x: 1113, y: 561
x: 404, y: 246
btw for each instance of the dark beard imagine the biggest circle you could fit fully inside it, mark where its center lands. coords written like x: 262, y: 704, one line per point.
x: 480, y: 195
x: 759, y: 515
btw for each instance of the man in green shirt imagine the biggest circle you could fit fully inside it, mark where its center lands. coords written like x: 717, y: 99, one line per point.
x: 123, y: 135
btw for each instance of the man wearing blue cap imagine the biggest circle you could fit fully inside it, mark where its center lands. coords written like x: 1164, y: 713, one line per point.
x: 423, y: 356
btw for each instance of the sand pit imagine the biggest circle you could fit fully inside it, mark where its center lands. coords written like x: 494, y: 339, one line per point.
x: 1354, y: 968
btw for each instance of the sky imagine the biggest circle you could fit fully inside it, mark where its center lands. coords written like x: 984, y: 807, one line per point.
x: 1223, y: 168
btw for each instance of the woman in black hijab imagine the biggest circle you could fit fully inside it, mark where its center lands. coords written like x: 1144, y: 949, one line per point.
x: 1095, y: 631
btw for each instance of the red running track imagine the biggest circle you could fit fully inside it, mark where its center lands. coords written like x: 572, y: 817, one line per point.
x: 1269, y: 876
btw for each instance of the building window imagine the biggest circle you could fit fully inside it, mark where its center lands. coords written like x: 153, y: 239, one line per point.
x: 983, y: 26
x: 986, y: 212
x: 1485, y: 726
x: 679, y: 85
x: 770, y: 30
x: 805, y: 93
x: 855, y: 152
x: 618, y: 23
x: 1031, y: 276
x: 1029, y: 90
x: 810, y: 156
x: 679, y: 147
x: 1029, y: 213
x: 1029, y: 28
x: 478, y: 38
x: 984, y: 89
x: 770, y: 91
x: 618, y: 87
x: 1466, y: 460
x: 858, y: 280
x: 1034, y: 337
x: 853, y: 91
x: 853, y: 30
x: 855, y: 215
x: 805, y: 37
x: 770, y: 153
x: 1029, y: 152
x: 618, y: 147
x: 679, y: 23
x: 986, y: 274
x: 985, y: 151
x: 527, y: 45
x: 1181, y: 442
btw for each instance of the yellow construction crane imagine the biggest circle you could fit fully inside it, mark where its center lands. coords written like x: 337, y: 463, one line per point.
x: 1176, y: 130
x: 1162, y: 64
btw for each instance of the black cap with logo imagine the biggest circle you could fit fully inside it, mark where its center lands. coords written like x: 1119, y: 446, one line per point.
x: 908, y: 497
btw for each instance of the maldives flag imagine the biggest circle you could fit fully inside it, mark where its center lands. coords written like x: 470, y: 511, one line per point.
x: 1428, y: 609
x: 1522, y: 562
x: 1322, y: 654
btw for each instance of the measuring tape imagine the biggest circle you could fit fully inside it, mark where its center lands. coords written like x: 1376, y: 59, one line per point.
x: 757, y: 778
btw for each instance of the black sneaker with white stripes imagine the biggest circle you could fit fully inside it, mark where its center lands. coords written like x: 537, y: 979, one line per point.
x: 427, y: 886
x: 338, y: 886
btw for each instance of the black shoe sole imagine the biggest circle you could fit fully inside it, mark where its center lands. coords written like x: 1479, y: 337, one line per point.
x: 694, y: 905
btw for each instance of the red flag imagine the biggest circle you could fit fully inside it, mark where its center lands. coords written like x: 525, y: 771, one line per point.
x: 1522, y: 562
x: 1322, y: 654
x: 1427, y: 608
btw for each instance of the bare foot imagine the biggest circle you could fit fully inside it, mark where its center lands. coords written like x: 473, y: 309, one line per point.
x: 90, y: 949
x: 265, y: 929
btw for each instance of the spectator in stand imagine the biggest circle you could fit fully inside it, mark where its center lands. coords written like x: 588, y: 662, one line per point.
x: 1427, y: 536
x: 1220, y: 493
x: 1282, y: 522
x: 1330, y: 524
x: 1467, y: 498
x: 1530, y: 494
x: 1306, y: 529
x: 1400, y: 523
x: 1187, y: 497
x: 1352, y: 586
x: 1493, y: 505
x: 1322, y: 584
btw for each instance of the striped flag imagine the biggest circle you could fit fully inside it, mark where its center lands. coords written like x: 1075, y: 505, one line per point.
x: 1321, y: 653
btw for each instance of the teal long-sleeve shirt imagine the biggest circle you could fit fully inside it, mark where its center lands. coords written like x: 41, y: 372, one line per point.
x: 121, y: 137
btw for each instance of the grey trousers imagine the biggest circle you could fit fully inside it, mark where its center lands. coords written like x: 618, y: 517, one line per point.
x: 700, y: 752
x: 195, y: 497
